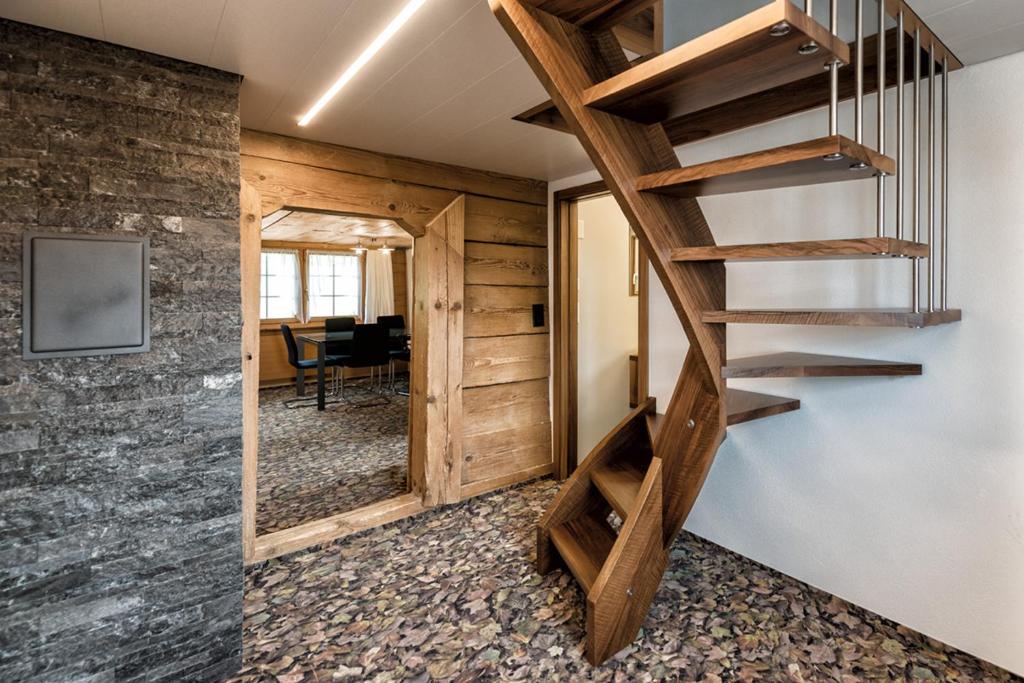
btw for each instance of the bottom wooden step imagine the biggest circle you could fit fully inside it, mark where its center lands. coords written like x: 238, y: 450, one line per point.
x: 619, y: 482
x: 745, y: 406
x: 584, y: 543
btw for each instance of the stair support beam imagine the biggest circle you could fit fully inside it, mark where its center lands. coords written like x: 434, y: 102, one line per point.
x: 568, y: 60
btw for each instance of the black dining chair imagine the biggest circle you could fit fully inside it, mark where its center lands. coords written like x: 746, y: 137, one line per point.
x: 343, y: 324
x: 331, y: 361
x: 342, y: 347
x: 398, y: 345
x: 369, y: 350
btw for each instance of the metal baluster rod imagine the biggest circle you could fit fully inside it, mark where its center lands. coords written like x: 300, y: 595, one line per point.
x: 944, y: 275
x: 858, y: 104
x: 881, y: 115
x: 833, y: 74
x: 915, y: 180
x: 808, y: 7
x: 931, y: 178
x: 901, y: 64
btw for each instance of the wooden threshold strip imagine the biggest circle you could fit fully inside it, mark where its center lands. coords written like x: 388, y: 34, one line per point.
x: 866, y: 247
x: 853, y: 317
x: 323, y: 530
x: 825, y: 160
x: 791, y: 364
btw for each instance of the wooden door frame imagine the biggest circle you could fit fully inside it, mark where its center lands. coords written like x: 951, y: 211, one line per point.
x: 565, y: 305
x: 435, y: 473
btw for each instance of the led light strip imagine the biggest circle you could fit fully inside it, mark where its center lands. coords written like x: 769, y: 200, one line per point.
x: 361, y: 61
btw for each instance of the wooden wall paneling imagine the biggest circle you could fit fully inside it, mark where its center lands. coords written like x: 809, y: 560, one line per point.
x: 494, y: 311
x: 508, y: 431
x: 564, y: 315
x: 284, y: 184
x: 451, y: 480
x: 311, y: 177
x: 438, y: 340
x: 497, y: 360
x: 505, y: 222
x: 390, y: 167
x: 249, y: 226
x: 496, y: 454
x: 501, y: 264
x: 500, y: 407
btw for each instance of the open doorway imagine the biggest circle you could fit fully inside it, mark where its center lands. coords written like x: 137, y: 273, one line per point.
x: 302, y: 508
x: 343, y: 283
x: 600, y: 320
x: 607, y: 321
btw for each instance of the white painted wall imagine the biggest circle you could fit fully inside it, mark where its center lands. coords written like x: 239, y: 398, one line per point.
x: 903, y: 495
x: 607, y: 320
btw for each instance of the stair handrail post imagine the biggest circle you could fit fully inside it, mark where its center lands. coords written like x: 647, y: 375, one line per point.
x: 858, y: 104
x: 916, y: 170
x: 901, y: 66
x: 931, y: 177
x: 833, y: 74
x: 944, y: 275
x: 881, y: 115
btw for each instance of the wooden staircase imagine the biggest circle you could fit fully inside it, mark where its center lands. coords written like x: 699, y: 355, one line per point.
x: 650, y: 468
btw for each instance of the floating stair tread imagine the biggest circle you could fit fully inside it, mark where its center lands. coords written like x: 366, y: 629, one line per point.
x: 745, y: 406
x: 584, y: 543
x: 619, y: 482
x: 803, y: 163
x: 867, y: 247
x: 853, y: 317
x: 733, y: 61
x: 793, y: 364
x: 761, y: 107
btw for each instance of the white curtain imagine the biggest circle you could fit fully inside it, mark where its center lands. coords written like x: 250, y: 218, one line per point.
x: 380, y: 286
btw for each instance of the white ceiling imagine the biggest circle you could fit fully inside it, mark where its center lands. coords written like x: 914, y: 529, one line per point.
x: 444, y: 89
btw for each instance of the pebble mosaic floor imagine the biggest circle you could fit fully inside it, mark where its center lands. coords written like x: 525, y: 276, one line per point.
x: 316, y: 464
x: 452, y: 595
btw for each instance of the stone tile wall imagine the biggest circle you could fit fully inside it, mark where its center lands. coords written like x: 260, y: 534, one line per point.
x: 120, y: 476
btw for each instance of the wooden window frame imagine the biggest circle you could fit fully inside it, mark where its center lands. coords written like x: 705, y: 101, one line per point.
x: 565, y: 280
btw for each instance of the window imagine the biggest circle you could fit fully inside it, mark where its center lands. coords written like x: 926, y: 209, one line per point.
x: 279, y: 285
x: 334, y: 285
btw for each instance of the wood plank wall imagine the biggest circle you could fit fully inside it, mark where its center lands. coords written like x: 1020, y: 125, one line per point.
x: 507, y: 424
x: 506, y: 360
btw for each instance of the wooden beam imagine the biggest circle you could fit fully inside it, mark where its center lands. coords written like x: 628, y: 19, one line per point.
x: 249, y: 210
x: 390, y: 167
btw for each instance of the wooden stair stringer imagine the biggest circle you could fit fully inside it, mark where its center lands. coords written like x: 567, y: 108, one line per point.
x: 618, y: 602
x: 568, y: 60
x: 578, y: 496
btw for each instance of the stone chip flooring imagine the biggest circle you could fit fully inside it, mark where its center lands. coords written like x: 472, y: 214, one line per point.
x: 452, y: 595
x: 316, y: 464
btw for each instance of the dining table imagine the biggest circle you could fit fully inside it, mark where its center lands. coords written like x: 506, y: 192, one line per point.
x: 321, y: 339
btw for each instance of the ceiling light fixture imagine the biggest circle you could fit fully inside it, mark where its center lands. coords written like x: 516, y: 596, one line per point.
x: 359, y: 248
x: 386, y: 249
x: 365, y: 57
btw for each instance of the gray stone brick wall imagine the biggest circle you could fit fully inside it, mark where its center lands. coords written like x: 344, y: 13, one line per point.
x: 120, y: 476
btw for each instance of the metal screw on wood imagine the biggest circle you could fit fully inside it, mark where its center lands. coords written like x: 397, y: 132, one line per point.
x: 629, y: 592
x: 691, y: 424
